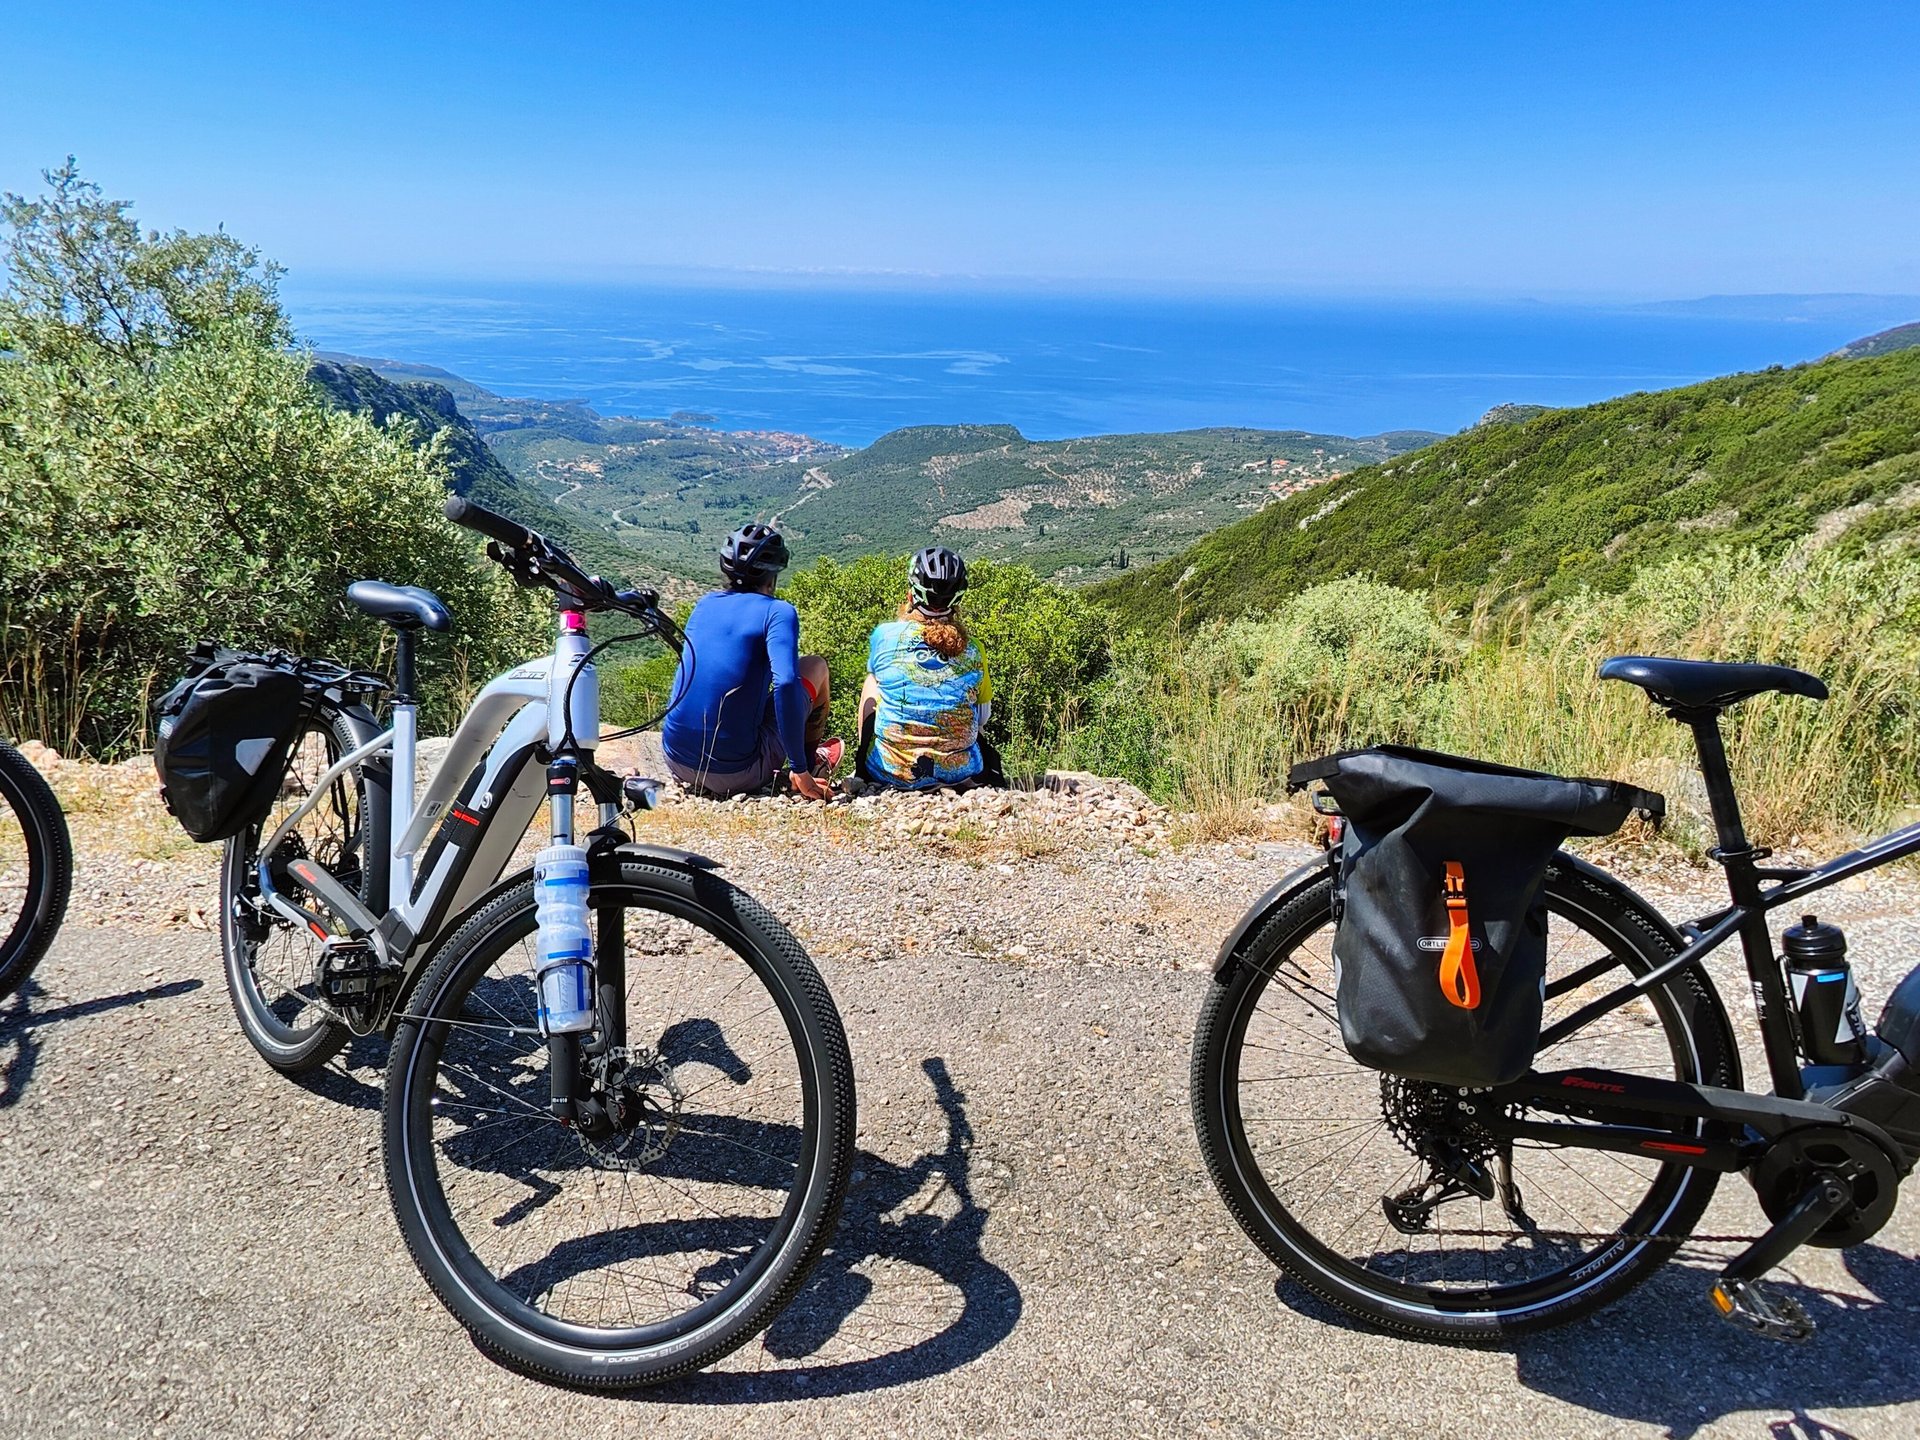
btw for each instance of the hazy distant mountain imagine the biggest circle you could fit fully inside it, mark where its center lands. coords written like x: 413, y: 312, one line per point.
x: 1867, y: 309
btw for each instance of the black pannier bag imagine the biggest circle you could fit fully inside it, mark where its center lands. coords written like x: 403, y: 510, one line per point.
x: 1440, y: 945
x: 223, y: 738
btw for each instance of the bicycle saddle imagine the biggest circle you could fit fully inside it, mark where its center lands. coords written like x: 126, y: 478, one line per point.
x: 405, y: 607
x: 1708, y: 684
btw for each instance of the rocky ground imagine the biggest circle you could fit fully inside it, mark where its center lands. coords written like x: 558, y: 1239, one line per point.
x: 1032, y: 1247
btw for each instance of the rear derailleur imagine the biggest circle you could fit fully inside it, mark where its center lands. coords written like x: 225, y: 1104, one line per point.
x: 1463, y: 1159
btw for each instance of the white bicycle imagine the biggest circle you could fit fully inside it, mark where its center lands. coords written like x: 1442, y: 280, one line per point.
x: 613, y: 1163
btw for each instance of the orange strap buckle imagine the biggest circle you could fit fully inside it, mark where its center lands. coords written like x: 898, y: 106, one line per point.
x: 1459, y: 976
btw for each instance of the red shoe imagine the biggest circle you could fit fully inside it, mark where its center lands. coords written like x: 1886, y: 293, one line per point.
x: 827, y: 757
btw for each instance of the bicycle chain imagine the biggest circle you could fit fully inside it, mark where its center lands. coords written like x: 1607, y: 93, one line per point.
x: 1403, y: 1107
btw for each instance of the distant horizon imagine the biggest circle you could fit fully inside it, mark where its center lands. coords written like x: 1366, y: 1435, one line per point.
x: 1019, y: 286
x: 850, y: 364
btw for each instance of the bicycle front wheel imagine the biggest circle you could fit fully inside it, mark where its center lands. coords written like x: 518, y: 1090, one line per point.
x: 36, y: 868
x: 1323, y: 1161
x: 650, y: 1250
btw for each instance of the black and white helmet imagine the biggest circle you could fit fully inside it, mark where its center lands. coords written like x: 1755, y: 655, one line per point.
x: 752, y: 553
x: 936, y: 578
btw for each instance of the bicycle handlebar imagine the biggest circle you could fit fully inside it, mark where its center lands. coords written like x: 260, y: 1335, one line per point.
x: 463, y: 511
x: 532, y: 559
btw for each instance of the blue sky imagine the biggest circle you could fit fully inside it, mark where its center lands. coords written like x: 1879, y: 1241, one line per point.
x: 1614, y: 150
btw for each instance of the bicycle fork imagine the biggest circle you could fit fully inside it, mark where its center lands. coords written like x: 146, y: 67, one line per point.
x: 582, y: 993
x: 581, y: 984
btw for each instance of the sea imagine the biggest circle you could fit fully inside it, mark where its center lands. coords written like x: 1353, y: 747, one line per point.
x: 849, y: 364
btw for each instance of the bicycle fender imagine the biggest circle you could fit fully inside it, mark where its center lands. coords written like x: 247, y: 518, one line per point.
x: 1568, y: 861
x: 1279, y: 895
x: 636, y: 850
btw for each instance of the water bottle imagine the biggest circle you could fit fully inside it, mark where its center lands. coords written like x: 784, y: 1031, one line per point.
x: 564, y: 970
x: 1825, y: 1000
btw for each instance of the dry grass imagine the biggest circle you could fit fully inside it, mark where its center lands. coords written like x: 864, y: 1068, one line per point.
x: 1233, y: 707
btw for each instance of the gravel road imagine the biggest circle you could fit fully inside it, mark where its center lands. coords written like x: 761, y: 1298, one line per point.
x: 199, y: 1247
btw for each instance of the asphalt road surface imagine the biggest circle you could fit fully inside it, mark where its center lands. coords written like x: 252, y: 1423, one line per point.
x: 196, y: 1246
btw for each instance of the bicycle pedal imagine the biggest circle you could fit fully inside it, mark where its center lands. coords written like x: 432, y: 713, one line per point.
x: 1756, y: 1309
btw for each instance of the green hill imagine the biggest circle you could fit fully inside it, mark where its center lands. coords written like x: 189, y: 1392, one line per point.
x: 1900, y: 337
x: 639, y: 499
x: 1582, y: 497
x: 666, y: 490
x: 1068, y: 508
x: 473, y: 469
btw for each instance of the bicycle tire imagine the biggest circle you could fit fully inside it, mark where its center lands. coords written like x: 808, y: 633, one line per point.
x: 49, y: 856
x: 510, y: 1326
x: 1699, y: 1040
x: 292, y: 1049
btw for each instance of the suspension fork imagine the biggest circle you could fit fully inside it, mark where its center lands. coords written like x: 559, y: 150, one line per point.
x: 567, y: 1085
x: 610, y: 971
x: 570, y: 1099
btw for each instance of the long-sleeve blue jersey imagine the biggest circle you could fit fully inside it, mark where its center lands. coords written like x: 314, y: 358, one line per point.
x: 739, y: 642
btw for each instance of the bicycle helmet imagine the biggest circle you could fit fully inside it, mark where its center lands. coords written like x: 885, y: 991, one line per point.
x: 752, y: 553
x: 936, y: 578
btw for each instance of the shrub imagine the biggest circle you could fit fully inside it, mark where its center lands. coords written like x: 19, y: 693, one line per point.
x: 1221, y: 713
x: 166, y: 474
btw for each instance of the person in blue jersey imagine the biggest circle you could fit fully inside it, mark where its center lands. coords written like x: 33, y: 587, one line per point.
x: 747, y: 701
x: 928, y: 694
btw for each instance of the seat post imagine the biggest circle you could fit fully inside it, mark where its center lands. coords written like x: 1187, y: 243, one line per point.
x: 1718, y: 774
x: 403, y: 664
x: 403, y: 714
x: 1741, y: 862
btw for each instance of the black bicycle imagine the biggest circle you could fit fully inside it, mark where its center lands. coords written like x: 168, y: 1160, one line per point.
x: 1460, y: 1214
x: 36, y: 868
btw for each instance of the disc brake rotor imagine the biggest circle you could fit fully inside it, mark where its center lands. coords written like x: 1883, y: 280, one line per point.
x: 638, y: 1088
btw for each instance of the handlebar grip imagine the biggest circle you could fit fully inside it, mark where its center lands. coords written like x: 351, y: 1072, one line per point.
x: 463, y: 511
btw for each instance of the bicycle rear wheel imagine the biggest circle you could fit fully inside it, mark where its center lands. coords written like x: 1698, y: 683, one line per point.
x: 631, y: 1257
x: 1312, y: 1151
x: 272, y: 964
x: 36, y: 868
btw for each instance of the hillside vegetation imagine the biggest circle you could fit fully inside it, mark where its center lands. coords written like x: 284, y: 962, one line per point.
x: 424, y: 412
x: 1068, y: 508
x: 1574, y: 499
x: 1900, y: 337
x: 645, y: 499
x: 667, y: 490
x: 167, y: 473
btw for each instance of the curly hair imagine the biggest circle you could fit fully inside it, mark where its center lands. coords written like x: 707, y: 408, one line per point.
x: 945, y: 634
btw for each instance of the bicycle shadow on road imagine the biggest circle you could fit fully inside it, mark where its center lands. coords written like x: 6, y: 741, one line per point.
x: 353, y: 1078
x: 1662, y: 1356
x: 21, y: 1021
x: 903, y: 1292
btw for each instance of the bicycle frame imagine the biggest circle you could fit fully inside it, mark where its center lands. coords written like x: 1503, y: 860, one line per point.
x: 453, y: 845
x: 1746, y: 918
x: 1635, y: 1111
